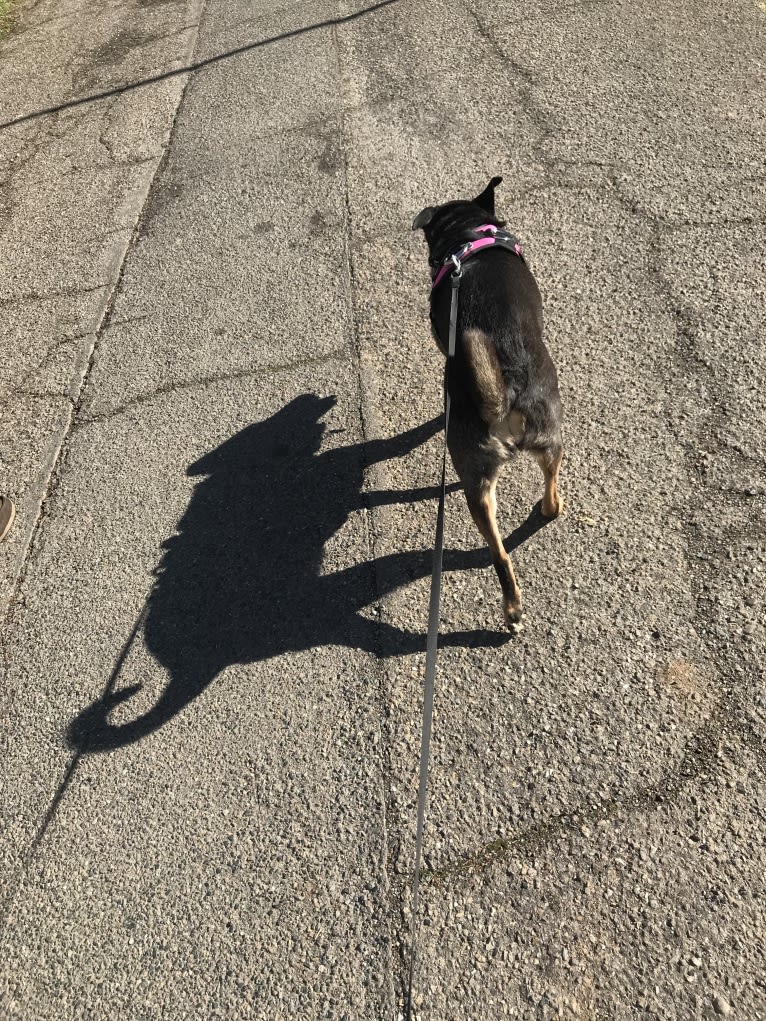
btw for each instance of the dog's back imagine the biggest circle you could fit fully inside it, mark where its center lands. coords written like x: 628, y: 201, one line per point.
x: 501, y: 365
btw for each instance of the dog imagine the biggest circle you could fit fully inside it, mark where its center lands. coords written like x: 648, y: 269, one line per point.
x: 502, y: 382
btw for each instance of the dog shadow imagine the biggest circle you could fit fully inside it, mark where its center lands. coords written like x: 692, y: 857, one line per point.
x: 243, y: 581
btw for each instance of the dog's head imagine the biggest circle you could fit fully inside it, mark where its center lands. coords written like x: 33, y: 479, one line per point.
x: 443, y: 225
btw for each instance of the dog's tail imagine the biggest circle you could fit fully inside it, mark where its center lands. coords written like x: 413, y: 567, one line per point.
x: 486, y: 376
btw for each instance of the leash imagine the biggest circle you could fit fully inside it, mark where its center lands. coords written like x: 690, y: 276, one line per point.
x: 431, y: 642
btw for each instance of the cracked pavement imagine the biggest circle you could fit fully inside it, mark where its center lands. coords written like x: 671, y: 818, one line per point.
x: 220, y: 423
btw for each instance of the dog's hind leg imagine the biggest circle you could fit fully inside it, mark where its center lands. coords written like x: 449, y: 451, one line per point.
x: 549, y: 460
x: 482, y: 504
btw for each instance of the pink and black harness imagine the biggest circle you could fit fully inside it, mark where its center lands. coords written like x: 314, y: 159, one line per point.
x: 493, y: 236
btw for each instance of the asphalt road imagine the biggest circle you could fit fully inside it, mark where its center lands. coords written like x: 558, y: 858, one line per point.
x: 220, y: 424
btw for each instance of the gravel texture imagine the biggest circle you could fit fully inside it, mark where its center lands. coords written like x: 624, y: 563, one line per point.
x: 220, y: 410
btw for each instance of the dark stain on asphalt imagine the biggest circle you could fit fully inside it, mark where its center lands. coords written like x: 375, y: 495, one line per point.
x: 161, y: 198
x: 329, y: 161
x: 114, y: 50
x: 157, y: 3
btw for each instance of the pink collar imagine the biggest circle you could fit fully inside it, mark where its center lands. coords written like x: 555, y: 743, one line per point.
x: 496, y: 237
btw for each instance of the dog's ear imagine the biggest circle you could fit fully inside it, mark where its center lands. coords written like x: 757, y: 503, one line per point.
x: 423, y: 218
x: 487, y: 198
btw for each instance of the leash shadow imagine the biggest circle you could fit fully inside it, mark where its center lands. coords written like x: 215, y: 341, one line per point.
x: 243, y: 578
x: 196, y: 66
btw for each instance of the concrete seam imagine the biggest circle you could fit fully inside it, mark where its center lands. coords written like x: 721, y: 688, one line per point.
x: 370, y: 427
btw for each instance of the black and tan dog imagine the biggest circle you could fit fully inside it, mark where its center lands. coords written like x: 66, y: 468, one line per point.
x: 502, y: 382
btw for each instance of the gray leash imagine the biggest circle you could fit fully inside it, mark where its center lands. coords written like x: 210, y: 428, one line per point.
x: 431, y: 644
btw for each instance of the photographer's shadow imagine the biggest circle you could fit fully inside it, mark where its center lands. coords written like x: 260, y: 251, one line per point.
x: 242, y: 580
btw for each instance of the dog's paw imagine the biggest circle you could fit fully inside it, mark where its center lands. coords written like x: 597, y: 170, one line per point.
x: 553, y: 510
x: 513, y: 613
